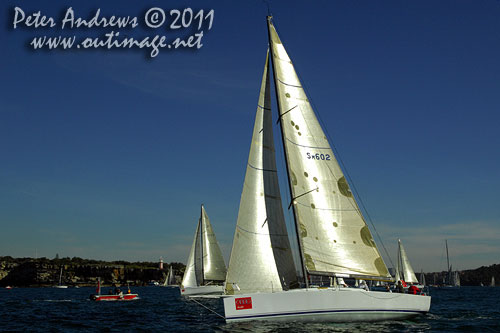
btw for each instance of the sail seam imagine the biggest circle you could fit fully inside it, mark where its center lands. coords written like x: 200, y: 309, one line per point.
x: 290, y: 85
x: 258, y: 233
x: 270, y: 170
x: 307, y: 146
x: 264, y: 108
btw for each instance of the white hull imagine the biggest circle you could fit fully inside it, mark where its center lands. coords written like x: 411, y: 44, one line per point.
x: 202, y: 290
x: 331, y: 305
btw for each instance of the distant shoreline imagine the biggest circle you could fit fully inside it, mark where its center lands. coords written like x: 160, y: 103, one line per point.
x: 43, y: 272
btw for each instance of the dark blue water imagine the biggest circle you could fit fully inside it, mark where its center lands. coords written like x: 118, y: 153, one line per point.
x: 468, y: 309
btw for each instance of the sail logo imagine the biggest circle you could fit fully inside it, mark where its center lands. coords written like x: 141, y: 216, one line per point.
x: 243, y: 303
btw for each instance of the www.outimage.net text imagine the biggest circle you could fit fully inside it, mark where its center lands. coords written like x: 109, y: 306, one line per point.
x: 174, y: 20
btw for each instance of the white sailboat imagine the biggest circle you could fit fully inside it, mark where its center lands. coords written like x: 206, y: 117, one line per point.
x: 492, y: 283
x: 170, y: 279
x: 422, y: 278
x: 61, y: 285
x: 333, y: 237
x: 404, y: 271
x: 205, y: 270
x: 453, y: 278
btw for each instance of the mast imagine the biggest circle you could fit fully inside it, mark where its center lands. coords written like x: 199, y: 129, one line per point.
x: 447, y: 257
x: 301, y: 255
x: 398, y: 264
x: 201, y: 245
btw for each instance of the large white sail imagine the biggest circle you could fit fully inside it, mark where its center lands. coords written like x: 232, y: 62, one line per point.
x: 261, y: 259
x: 334, y: 237
x: 407, y: 270
x: 214, y: 268
x: 193, y: 274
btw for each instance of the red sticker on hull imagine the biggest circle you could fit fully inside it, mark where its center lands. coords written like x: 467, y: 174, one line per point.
x: 243, y: 303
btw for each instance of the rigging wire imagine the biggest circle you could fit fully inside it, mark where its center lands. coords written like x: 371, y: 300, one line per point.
x: 206, y: 307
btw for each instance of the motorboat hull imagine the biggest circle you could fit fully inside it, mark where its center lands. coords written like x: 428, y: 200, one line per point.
x: 124, y: 297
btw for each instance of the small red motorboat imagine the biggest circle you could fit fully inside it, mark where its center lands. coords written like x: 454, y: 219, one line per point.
x: 118, y: 295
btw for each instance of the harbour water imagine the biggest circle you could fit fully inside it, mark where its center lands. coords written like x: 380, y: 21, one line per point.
x: 467, y: 309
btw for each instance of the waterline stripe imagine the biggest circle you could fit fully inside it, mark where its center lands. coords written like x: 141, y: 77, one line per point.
x: 320, y: 312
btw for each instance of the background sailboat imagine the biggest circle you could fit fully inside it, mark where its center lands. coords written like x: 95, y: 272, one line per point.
x: 333, y: 237
x: 422, y: 278
x: 404, y: 270
x: 452, y: 278
x: 205, y: 270
x: 60, y: 284
x: 170, y: 279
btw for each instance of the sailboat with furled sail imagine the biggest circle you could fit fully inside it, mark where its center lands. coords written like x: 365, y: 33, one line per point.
x: 333, y: 237
x: 205, y: 270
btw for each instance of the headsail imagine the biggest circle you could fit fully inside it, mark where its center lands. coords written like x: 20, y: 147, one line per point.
x: 261, y: 258
x: 334, y: 236
x: 407, y: 270
x: 214, y: 268
x: 193, y: 274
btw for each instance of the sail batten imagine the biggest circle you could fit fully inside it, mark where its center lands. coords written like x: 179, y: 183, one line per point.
x: 333, y: 235
x: 261, y: 258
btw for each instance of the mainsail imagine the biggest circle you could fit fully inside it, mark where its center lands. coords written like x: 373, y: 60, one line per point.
x: 333, y: 235
x: 214, y: 268
x: 406, y: 269
x: 261, y: 259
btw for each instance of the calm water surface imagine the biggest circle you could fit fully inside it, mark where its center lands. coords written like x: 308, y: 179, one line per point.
x: 468, y: 309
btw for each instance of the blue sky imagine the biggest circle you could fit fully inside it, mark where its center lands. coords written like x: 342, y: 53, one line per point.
x: 109, y: 154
